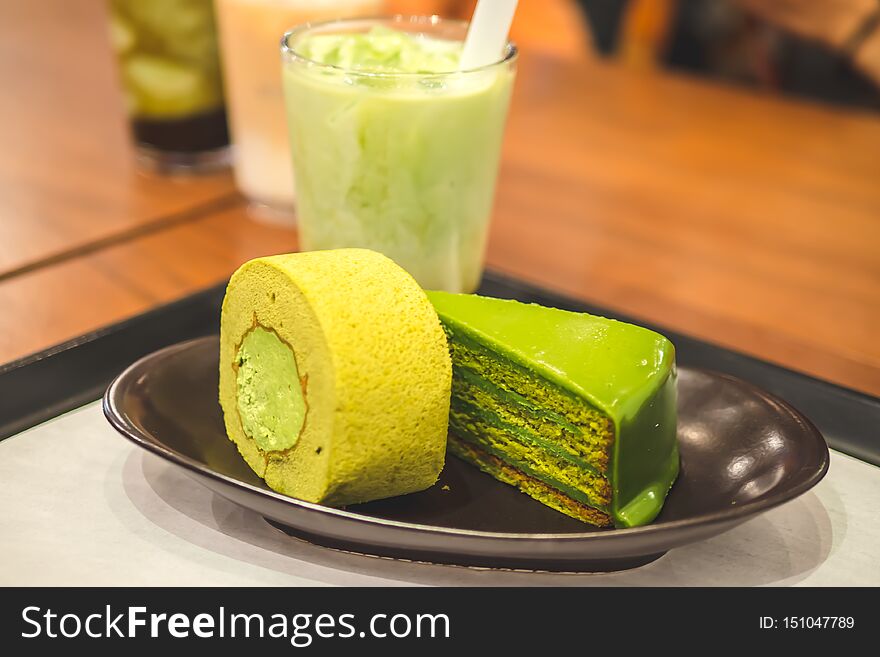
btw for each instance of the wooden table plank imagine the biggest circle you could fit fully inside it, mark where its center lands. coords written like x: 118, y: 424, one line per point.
x: 746, y: 220
x: 54, y: 303
x: 68, y: 176
x: 134, y: 276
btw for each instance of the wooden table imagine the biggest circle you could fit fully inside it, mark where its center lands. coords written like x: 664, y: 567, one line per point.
x: 749, y: 221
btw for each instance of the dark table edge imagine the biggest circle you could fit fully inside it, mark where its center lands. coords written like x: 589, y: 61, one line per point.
x: 46, y: 384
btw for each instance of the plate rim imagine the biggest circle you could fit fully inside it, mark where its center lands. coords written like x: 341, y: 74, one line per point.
x: 740, y: 513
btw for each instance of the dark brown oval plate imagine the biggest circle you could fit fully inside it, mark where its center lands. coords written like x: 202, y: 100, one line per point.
x: 742, y: 452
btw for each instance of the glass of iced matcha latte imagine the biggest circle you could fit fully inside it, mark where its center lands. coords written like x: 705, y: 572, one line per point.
x: 394, y: 149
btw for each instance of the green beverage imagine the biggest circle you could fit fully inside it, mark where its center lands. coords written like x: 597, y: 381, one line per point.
x: 170, y: 73
x: 393, y: 149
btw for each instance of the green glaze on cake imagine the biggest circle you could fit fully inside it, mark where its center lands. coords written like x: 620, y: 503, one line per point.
x: 270, y: 397
x: 577, y: 411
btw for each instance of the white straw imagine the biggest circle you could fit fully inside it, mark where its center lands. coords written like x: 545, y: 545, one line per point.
x: 487, y: 34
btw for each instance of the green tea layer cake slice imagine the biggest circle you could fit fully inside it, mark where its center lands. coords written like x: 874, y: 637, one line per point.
x: 334, y: 376
x: 577, y: 411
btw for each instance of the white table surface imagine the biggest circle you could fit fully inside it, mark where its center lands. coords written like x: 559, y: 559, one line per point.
x: 79, y: 505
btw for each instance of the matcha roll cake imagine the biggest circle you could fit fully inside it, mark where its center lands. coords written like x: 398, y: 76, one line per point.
x: 334, y: 376
x: 577, y: 411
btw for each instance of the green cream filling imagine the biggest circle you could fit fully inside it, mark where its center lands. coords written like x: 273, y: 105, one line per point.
x: 271, y: 404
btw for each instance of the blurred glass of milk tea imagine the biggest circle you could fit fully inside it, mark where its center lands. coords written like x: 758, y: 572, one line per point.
x: 250, y: 31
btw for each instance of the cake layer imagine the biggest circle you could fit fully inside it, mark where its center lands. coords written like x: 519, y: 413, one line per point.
x: 487, y: 416
x: 535, y: 488
x: 334, y: 376
x: 513, y: 376
x: 530, y: 454
x: 588, y: 444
